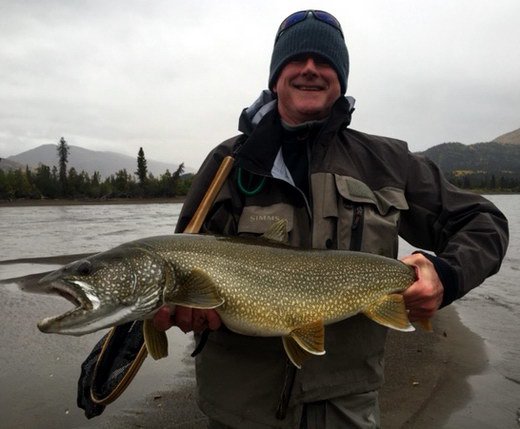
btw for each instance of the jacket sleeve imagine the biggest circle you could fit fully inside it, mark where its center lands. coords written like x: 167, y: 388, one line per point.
x: 467, y: 233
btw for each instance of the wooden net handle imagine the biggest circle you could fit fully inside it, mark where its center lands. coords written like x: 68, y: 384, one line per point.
x: 212, y: 192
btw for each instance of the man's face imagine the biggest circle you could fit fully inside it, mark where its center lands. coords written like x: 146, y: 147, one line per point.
x: 307, y: 88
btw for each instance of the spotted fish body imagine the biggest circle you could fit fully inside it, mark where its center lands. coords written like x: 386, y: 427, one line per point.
x: 257, y: 288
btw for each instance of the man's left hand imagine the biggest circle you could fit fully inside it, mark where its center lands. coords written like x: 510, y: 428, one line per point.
x: 424, y: 297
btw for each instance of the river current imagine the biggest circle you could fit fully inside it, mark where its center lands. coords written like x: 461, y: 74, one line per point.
x: 491, y: 311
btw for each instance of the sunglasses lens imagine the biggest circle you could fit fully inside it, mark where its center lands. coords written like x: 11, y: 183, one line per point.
x: 292, y: 19
x: 327, y: 17
x: 297, y: 17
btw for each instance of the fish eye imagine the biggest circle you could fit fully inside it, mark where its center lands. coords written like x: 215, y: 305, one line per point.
x: 84, y: 268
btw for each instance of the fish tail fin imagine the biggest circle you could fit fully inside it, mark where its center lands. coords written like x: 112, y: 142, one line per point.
x: 390, y: 311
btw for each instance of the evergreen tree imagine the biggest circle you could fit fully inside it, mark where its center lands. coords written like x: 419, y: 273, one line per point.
x: 4, y: 195
x: 165, y: 182
x: 122, y: 184
x: 179, y: 171
x: 20, y: 184
x: 72, y: 183
x: 142, y: 169
x: 63, y: 157
x: 46, y: 183
x: 54, y: 172
x: 176, y: 176
x: 95, y: 186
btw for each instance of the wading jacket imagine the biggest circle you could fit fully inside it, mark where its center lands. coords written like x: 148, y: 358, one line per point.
x: 363, y: 191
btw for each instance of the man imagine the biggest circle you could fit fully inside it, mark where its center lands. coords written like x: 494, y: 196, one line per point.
x: 338, y: 188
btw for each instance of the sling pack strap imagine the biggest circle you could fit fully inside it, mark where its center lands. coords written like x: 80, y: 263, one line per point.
x: 118, y: 357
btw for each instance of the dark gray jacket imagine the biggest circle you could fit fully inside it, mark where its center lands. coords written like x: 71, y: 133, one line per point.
x: 363, y: 192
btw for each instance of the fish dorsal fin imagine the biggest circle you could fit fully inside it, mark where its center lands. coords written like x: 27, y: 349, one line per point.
x: 156, y: 341
x: 390, y: 311
x: 196, y: 290
x: 295, y: 353
x: 310, y: 337
x: 277, y: 232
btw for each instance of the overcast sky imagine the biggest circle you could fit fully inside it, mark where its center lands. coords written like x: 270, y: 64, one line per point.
x: 173, y: 76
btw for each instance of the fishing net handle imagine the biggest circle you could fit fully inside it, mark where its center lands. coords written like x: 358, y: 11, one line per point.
x: 209, y: 197
x: 193, y: 228
x: 127, y: 378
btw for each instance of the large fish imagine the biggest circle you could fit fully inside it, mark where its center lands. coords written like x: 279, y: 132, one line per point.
x: 258, y: 288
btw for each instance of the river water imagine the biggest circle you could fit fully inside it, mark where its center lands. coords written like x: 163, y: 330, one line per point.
x: 492, y: 311
x: 38, y: 372
x: 37, y: 385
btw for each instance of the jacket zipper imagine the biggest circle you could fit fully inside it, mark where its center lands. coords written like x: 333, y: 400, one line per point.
x: 356, y: 235
x: 309, y: 202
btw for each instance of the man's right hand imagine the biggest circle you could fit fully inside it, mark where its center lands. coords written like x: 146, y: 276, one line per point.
x: 187, y: 319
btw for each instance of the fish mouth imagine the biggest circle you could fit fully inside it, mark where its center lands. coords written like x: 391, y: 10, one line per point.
x: 71, y: 293
x: 77, y: 293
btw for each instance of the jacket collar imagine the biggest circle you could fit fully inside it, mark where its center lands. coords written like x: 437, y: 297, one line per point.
x: 262, y: 125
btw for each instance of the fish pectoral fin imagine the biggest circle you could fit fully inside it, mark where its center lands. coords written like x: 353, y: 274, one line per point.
x: 277, y: 232
x: 295, y: 353
x: 310, y: 337
x: 197, y: 290
x: 156, y: 341
x: 390, y: 311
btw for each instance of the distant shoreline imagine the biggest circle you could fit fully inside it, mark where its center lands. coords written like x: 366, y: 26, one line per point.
x: 98, y: 201
x: 93, y: 201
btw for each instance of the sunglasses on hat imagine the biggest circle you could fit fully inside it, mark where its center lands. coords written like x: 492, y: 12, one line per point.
x: 302, y: 15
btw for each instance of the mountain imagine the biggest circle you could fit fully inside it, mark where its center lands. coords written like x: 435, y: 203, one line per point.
x: 509, y: 138
x: 489, y: 157
x: 6, y: 164
x: 106, y: 163
x: 500, y: 158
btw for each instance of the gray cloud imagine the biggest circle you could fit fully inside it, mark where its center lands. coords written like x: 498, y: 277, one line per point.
x: 173, y: 76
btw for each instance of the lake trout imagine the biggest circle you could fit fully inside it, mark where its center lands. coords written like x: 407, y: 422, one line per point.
x: 258, y: 287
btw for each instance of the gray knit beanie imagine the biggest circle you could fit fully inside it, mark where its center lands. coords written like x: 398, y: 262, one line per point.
x: 310, y: 36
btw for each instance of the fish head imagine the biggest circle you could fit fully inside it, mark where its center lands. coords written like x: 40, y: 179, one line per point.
x: 107, y: 289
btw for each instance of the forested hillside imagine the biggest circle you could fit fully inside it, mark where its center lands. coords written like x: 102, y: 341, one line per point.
x: 493, y: 166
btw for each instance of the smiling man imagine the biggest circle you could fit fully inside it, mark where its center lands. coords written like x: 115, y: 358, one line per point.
x: 307, y: 88
x: 298, y: 159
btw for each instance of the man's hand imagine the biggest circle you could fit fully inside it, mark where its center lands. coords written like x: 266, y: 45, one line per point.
x: 187, y: 319
x: 424, y: 297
